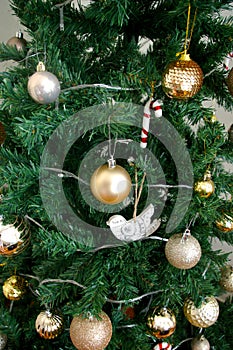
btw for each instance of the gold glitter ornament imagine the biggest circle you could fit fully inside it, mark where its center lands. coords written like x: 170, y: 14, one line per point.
x: 161, y: 322
x: 203, y: 316
x: 226, y: 281
x: 182, y: 78
x: 14, y: 287
x: 91, y: 333
x: 48, y: 324
x: 200, y: 343
x: 110, y: 183
x: 204, y: 188
x: 18, y: 41
x: 226, y: 223
x: 3, y: 341
x: 183, y: 250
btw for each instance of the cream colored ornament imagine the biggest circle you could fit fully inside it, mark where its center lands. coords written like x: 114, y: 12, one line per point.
x: 203, y: 316
x: 3, y: 341
x: 200, y: 343
x: 183, y: 251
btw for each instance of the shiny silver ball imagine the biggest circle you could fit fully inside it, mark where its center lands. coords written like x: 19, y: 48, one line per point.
x: 44, y: 87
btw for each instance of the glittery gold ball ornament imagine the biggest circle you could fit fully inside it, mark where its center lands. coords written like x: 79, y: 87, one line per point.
x: 203, y: 316
x: 43, y: 86
x: 183, y: 250
x: 110, y: 183
x: 48, y: 324
x: 182, y: 78
x: 200, y: 343
x: 17, y: 41
x: 3, y: 341
x: 226, y: 280
x: 161, y: 322
x: 14, y: 238
x: 204, y: 188
x: 91, y: 333
x: 14, y: 287
x: 225, y: 224
x: 2, y: 134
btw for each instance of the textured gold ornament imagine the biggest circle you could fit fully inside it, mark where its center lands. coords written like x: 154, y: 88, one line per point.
x: 226, y: 280
x: 91, y: 333
x: 205, y: 187
x: 200, y: 343
x: 205, y: 315
x: 48, y: 324
x: 110, y: 183
x: 182, y: 78
x: 43, y: 86
x: 2, y: 134
x: 226, y: 223
x: 3, y: 341
x: 161, y: 322
x: 14, y: 238
x: 14, y: 287
x: 17, y: 41
x: 183, y: 250
x: 229, y: 81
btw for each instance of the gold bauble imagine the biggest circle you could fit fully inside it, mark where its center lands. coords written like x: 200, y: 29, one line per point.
x: 226, y: 280
x: 17, y: 41
x: 2, y: 134
x: 91, y: 333
x: 200, y: 343
x: 205, y: 187
x: 49, y: 325
x: 110, y: 183
x: 3, y: 341
x: 14, y: 238
x: 182, y: 78
x: 226, y: 223
x: 203, y: 316
x: 183, y: 251
x: 161, y: 322
x: 14, y: 287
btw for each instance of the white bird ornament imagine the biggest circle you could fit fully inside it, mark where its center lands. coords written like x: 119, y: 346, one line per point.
x: 136, y: 228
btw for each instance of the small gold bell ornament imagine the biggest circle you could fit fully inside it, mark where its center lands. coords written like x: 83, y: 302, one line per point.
x: 14, y: 287
x: 226, y: 280
x: 203, y: 316
x: 161, y: 322
x: 182, y: 78
x: 17, y: 41
x: 205, y: 188
x: 91, y: 333
x: 49, y: 324
x: 43, y: 86
x: 200, y: 343
x: 110, y: 183
x: 182, y: 250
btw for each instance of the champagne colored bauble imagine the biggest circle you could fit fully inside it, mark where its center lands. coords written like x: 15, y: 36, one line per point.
x: 226, y: 223
x: 14, y: 238
x: 3, y: 341
x: 226, y: 280
x: 161, y: 322
x: 48, y: 324
x: 14, y: 287
x: 204, y: 188
x: 110, y: 183
x: 183, y: 251
x: 17, y: 41
x: 2, y: 134
x: 43, y: 86
x: 182, y: 78
x: 203, y: 316
x: 200, y: 343
x: 162, y: 345
x: 91, y: 333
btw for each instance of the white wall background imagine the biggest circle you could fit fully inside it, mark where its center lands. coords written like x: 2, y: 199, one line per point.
x: 9, y: 25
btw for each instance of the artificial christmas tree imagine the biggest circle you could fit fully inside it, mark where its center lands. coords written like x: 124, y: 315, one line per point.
x: 86, y: 255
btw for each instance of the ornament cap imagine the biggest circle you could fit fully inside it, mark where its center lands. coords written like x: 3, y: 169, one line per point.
x: 19, y: 34
x: 207, y: 175
x: 184, y: 57
x: 40, y: 67
x: 111, y: 163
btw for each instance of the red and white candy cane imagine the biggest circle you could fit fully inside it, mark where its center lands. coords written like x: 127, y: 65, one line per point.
x: 227, y: 60
x: 156, y: 106
x: 164, y: 345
